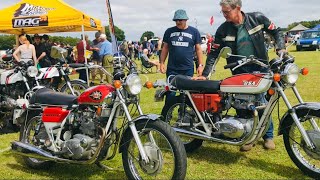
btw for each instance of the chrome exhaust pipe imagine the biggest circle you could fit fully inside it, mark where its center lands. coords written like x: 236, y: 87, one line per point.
x: 31, y: 151
x: 196, y: 135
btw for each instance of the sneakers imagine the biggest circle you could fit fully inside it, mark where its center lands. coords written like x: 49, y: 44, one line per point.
x: 269, y: 144
x: 101, y: 82
x: 246, y: 147
x: 91, y: 83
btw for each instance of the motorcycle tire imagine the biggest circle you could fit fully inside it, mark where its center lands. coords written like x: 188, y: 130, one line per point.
x: 81, y: 86
x: 25, y: 133
x: 306, y: 160
x: 190, y: 144
x: 167, y: 157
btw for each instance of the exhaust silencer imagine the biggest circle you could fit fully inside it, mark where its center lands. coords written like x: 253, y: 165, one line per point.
x: 34, y: 152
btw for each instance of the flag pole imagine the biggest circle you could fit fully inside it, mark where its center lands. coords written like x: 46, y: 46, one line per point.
x: 111, y: 28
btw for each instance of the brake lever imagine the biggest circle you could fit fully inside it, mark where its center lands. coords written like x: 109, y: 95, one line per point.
x: 241, y: 63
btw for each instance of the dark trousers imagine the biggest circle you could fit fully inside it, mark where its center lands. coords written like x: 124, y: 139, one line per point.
x: 82, y: 74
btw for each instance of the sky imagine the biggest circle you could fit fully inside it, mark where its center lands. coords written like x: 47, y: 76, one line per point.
x: 135, y: 17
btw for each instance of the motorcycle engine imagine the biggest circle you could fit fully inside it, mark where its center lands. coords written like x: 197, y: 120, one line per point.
x: 233, y: 127
x: 242, y: 101
x: 82, y: 144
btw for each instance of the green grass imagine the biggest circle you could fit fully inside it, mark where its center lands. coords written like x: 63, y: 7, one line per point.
x: 211, y: 161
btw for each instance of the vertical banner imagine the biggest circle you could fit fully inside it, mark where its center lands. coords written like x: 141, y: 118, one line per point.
x: 111, y: 28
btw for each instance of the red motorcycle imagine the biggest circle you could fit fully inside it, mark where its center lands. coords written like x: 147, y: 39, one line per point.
x: 200, y: 110
x: 96, y: 125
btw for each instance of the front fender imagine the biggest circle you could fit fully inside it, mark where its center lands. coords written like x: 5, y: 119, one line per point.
x: 299, y: 109
x: 141, y: 118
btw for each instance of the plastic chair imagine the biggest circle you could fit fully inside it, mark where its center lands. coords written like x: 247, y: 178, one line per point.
x: 146, y: 66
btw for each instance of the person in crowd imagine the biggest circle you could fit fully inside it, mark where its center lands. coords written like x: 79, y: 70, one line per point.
x: 80, y: 56
x: 159, y: 47
x: 179, y: 42
x: 140, y: 49
x: 106, y: 55
x: 136, y: 50
x: 47, y: 45
x: 124, y: 48
x: 26, y: 51
x: 150, y: 48
x: 41, y: 52
x: 209, y: 42
x: 243, y: 32
x: 96, y: 59
x: 154, y: 62
x: 144, y: 44
x: 131, y: 50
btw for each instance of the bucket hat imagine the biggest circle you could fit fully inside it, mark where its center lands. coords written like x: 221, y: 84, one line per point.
x: 180, y: 14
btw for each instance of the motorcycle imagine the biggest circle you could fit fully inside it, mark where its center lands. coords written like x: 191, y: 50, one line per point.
x: 95, y: 125
x: 51, y: 76
x: 16, y: 87
x: 200, y: 111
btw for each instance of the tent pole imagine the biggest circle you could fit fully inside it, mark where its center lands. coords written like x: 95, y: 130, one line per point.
x: 85, y: 57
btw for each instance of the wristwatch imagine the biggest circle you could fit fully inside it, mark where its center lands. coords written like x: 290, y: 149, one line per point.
x: 200, y: 65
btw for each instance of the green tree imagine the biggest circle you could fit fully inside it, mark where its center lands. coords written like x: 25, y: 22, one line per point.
x: 119, y: 33
x: 148, y: 34
x: 308, y: 24
x: 7, y: 41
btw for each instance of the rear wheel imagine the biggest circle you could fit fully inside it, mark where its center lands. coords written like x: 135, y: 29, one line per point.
x: 180, y: 117
x: 306, y: 159
x: 77, y: 86
x: 34, y: 133
x: 166, y: 155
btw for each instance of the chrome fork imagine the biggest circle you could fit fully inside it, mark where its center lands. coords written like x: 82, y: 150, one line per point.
x: 294, y: 115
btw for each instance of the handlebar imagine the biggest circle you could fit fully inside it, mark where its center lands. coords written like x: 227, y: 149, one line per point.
x: 231, y: 65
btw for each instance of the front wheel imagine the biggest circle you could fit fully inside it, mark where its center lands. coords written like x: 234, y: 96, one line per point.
x: 306, y: 159
x: 77, y: 86
x: 167, y: 157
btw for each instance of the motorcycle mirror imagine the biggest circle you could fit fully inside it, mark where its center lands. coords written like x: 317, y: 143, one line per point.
x: 225, y: 52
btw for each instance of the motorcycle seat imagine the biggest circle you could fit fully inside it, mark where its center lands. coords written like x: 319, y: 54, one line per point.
x: 186, y: 83
x: 50, y: 97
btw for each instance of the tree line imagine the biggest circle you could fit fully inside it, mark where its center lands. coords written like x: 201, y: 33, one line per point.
x: 308, y: 24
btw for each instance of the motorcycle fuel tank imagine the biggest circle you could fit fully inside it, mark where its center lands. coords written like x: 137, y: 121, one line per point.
x: 95, y: 95
x: 10, y: 77
x: 246, y: 83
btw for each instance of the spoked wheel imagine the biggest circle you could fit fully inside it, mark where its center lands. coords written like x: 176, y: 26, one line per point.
x: 180, y: 117
x: 166, y: 155
x: 77, y: 86
x: 306, y: 159
x: 34, y: 133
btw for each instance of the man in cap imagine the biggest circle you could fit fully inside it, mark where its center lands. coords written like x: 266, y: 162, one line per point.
x: 40, y: 51
x: 96, y: 58
x: 180, y: 42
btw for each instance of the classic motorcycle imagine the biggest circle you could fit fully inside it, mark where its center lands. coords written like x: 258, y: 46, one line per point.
x: 16, y: 87
x: 200, y: 111
x: 92, y: 127
x: 51, y: 76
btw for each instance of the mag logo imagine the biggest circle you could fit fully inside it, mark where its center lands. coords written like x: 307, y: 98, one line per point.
x: 93, y: 23
x: 28, y: 15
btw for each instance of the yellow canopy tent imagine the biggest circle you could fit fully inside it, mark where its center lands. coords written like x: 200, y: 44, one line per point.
x: 45, y: 16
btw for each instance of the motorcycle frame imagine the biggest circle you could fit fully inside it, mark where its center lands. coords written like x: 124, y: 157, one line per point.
x: 112, y: 120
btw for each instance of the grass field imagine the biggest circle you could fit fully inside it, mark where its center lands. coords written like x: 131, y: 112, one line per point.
x: 211, y: 161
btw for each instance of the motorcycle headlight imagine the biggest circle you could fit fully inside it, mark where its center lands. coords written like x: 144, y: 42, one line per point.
x: 291, y: 73
x: 314, y: 42
x: 133, y: 84
x: 32, y: 71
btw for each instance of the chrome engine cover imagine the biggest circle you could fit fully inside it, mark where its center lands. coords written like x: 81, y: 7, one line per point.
x: 79, y: 147
x: 233, y: 127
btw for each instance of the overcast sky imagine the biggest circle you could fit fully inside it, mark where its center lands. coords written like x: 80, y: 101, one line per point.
x: 137, y: 16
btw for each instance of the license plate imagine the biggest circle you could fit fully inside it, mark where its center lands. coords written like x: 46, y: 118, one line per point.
x: 305, y: 45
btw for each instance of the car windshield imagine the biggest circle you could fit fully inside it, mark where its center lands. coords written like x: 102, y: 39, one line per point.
x: 311, y: 35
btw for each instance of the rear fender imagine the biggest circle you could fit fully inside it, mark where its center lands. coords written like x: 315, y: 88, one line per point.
x: 299, y: 109
x: 143, y: 119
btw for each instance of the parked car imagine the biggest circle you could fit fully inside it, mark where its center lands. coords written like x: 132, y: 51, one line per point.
x: 310, y: 39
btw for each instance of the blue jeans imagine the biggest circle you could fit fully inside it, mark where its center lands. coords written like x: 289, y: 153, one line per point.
x: 269, y: 134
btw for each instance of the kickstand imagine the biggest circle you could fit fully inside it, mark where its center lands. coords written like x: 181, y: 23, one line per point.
x: 102, y: 166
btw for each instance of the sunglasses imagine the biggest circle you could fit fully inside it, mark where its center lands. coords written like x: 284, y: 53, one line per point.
x: 180, y: 20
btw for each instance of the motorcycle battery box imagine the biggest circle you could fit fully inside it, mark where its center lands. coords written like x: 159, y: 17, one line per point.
x: 54, y: 114
x: 207, y: 102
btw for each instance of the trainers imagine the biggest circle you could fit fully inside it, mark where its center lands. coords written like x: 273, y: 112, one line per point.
x: 91, y: 83
x: 101, y: 82
x: 269, y: 144
x: 246, y: 147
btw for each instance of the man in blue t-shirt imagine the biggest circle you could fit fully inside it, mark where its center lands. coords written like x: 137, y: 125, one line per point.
x: 180, y: 42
